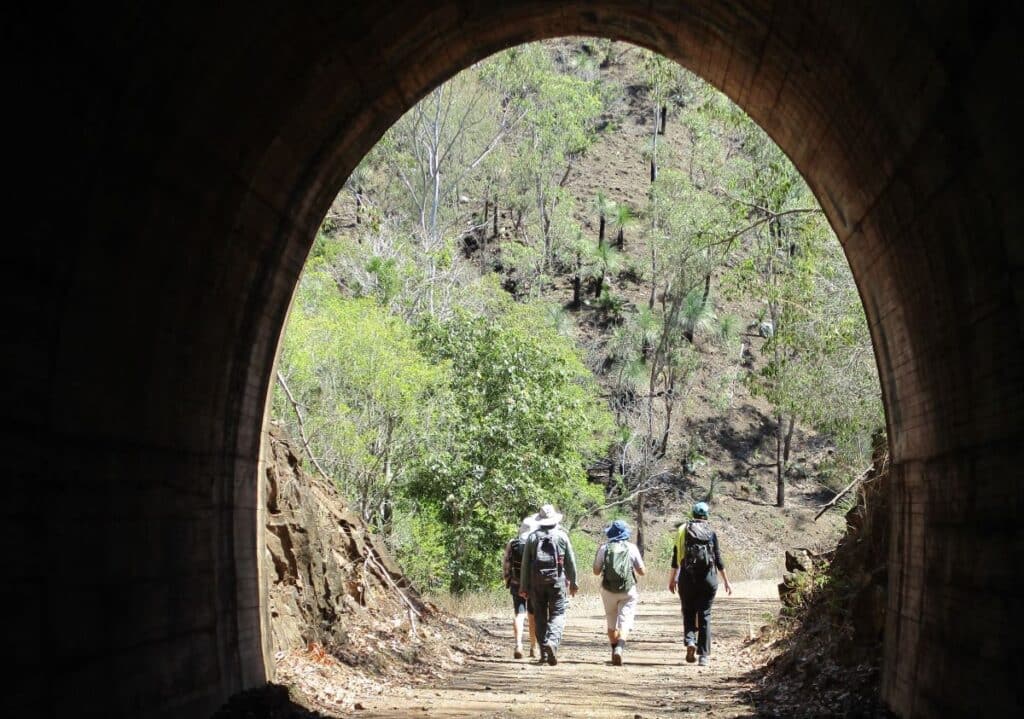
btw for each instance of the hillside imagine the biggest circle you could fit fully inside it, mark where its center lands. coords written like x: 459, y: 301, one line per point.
x: 731, y: 439
x: 723, y: 430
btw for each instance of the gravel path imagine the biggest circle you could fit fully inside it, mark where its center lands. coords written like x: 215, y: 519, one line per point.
x: 653, y: 682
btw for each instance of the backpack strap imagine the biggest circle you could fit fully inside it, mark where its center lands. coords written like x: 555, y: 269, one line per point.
x: 559, y: 558
x: 681, y: 543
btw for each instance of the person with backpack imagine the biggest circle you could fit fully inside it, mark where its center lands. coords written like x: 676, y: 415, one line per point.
x: 548, y: 565
x: 511, y: 565
x: 618, y: 561
x: 696, y: 563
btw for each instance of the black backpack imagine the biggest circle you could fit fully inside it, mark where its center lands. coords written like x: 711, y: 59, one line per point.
x: 515, y: 559
x: 699, y: 559
x: 547, y: 559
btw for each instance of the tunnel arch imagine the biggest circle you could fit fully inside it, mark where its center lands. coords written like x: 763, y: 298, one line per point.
x: 209, y: 149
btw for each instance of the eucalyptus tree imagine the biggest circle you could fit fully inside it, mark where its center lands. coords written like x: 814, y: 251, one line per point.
x: 662, y: 76
x: 559, y: 113
x: 786, y: 249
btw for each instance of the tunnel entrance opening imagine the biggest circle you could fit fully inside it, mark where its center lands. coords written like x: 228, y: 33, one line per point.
x: 484, y: 235
x: 215, y: 154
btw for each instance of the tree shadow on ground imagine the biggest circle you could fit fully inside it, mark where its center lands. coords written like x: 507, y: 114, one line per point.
x: 741, y: 433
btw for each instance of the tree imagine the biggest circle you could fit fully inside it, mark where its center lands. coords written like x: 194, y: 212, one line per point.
x: 622, y: 218
x: 369, y: 395
x: 604, y: 261
x: 604, y: 207
x: 787, y: 255
x: 559, y: 116
x: 524, y: 418
x: 661, y: 75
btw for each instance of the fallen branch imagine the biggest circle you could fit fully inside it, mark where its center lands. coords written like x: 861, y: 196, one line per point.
x: 628, y: 498
x: 846, y: 489
x: 386, y: 575
x: 302, y: 426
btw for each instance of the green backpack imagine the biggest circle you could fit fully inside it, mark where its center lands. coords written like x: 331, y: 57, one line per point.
x: 617, y: 573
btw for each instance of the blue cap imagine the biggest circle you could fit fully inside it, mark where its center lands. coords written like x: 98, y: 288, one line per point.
x: 617, y: 531
x: 701, y: 509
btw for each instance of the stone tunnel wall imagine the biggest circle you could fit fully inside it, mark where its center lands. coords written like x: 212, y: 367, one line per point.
x: 172, y: 167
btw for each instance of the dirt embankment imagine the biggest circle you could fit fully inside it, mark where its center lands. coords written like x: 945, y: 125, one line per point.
x: 824, y: 656
x: 344, y: 620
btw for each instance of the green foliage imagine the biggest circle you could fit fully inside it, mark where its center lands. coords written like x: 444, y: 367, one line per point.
x: 421, y: 545
x: 523, y: 420
x: 364, y: 386
x: 697, y: 315
x: 446, y: 410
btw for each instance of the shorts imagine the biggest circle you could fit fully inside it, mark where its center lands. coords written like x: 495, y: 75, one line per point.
x: 519, y: 604
x: 620, y: 608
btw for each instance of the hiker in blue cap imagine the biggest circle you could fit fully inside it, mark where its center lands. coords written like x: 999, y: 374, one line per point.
x: 618, y: 561
x: 696, y: 563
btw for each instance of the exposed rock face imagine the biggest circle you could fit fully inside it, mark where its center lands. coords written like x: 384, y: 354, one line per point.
x: 828, y: 661
x: 344, y: 621
x: 861, y: 563
x: 323, y: 566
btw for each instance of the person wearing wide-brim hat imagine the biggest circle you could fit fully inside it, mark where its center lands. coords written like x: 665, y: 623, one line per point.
x: 618, y: 561
x: 696, y: 564
x: 522, y: 608
x: 548, y: 565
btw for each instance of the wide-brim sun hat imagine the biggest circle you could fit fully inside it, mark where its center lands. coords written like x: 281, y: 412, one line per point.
x: 547, y: 516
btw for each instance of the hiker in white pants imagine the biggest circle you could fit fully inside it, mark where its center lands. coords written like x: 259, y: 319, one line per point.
x: 618, y: 561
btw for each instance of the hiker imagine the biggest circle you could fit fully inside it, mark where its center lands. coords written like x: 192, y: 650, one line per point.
x: 696, y: 563
x: 548, y: 564
x: 618, y: 561
x: 522, y: 608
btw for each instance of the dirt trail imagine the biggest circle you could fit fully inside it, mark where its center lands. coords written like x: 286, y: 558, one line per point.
x: 653, y: 682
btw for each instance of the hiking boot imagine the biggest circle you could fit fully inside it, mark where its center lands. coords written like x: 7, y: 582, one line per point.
x: 518, y: 653
x: 552, y: 659
x: 543, y: 654
x: 691, y: 652
x: 704, y: 660
x: 617, y: 656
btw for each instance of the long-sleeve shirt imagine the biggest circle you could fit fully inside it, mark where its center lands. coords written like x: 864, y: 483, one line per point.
x: 679, y: 550
x: 564, y: 549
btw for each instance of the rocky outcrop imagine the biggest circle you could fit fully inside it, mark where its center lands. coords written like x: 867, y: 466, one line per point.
x: 827, y: 649
x: 344, y: 621
x: 325, y: 568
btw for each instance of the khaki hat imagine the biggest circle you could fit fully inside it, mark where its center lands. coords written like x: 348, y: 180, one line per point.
x: 547, y: 516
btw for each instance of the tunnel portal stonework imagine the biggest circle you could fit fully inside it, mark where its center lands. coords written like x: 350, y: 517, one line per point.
x: 174, y: 166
